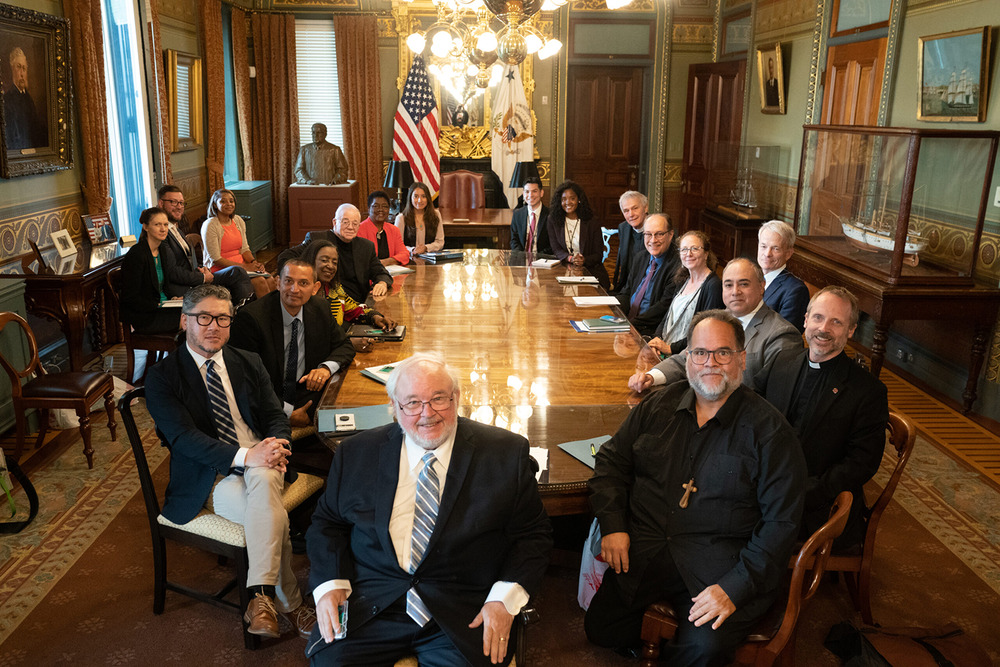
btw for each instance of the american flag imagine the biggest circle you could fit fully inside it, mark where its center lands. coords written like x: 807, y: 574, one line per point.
x: 415, y: 131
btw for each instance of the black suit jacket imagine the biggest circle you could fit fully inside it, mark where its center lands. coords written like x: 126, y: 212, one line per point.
x: 366, y: 263
x: 519, y: 230
x: 177, y: 400
x: 259, y: 327
x: 140, y: 295
x: 491, y: 527
x: 184, y: 273
x: 662, y: 289
x: 843, y: 437
x: 629, y: 247
x: 788, y: 296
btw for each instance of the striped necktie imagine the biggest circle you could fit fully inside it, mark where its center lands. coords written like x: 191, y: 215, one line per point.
x: 531, y: 233
x: 292, y: 365
x: 424, y: 515
x: 221, y: 414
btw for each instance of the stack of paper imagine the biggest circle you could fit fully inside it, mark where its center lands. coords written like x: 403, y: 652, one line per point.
x: 618, y: 324
x: 545, y: 263
x: 576, y: 280
x: 595, y: 301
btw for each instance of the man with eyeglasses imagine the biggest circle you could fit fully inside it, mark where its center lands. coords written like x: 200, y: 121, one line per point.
x: 216, y: 412
x: 767, y: 333
x: 431, y: 531
x: 359, y: 269
x: 388, y: 239
x: 635, y: 207
x: 186, y: 273
x: 699, y: 497
x: 649, y: 290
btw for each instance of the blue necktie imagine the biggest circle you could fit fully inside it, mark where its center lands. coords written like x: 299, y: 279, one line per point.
x: 640, y: 293
x: 291, y: 365
x: 424, y: 515
x: 221, y: 414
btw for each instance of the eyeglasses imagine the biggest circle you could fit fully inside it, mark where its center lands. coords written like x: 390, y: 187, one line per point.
x: 204, y: 319
x: 655, y: 235
x: 350, y: 223
x: 693, y: 250
x: 174, y: 202
x: 415, y: 407
x: 723, y: 356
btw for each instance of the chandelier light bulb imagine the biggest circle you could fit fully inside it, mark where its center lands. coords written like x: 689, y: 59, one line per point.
x: 550, y: 49
x: 533, y: 42
x: 618, y: 4
x: 487, y: 41
x: 416, y: 42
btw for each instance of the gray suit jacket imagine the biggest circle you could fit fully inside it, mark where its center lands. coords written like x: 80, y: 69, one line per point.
x: 767, y: 334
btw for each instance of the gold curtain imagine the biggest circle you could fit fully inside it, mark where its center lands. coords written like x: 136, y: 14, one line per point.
x: 276, y: 111
x: 87, y: 41
x: 361, y: 98
x: 215, y: 94
x: 241, y: 79
x: 163, y: 136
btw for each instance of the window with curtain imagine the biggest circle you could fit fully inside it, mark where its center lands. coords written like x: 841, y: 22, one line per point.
x: 128, y: 124
x: 318, y: 87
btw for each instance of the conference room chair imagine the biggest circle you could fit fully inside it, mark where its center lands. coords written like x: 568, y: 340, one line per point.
x: 75, y: 390
x: 606, y: 235
x: 462, y: 189
x: 857, y: 568
x: 207, y: 531
x: 156, y: 345
x: 773, y: 637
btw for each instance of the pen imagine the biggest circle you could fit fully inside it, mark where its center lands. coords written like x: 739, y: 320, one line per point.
x: 593, y: 452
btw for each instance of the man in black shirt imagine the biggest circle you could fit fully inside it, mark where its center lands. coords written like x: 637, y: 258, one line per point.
x: 699, y: 497
x: 635, y: 207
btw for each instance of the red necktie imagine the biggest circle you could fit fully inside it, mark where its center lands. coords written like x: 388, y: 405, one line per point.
x: 531, y: 232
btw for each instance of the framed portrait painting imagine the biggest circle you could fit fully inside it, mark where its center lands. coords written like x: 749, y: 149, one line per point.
x: 771, y: 78
x: 35, y: 117
x: 954, y: 76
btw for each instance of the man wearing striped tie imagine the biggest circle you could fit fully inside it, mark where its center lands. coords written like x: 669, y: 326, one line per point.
x: 430, y: 530
x: 215, y: 410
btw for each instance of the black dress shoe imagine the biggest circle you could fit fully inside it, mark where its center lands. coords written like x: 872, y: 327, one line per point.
x: 629, y: 652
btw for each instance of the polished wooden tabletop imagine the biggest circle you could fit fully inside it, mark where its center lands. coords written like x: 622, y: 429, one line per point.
x: 504, y: 326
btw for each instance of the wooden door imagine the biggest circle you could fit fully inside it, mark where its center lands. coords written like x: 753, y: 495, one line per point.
x: 713, y: 123
x: 604, y: 126
x: 852, y: 87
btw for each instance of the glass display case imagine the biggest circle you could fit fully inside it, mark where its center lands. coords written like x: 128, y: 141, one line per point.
x: 744, y: 176
x: 901, y: 205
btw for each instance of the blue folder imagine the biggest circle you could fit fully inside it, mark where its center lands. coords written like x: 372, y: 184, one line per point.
x: 580, y: 449
x: 369, y: 416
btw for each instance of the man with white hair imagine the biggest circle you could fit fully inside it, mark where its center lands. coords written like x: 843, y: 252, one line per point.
x: 26, y: 127
x: 784, y: 293
x: 635, y: 207
x: 359, y: 270
x: 430, y: 532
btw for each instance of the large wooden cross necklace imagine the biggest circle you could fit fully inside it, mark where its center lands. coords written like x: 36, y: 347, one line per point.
x: 689, y: 488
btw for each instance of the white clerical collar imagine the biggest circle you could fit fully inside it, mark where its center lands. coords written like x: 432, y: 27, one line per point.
x: 745, y: 320
x: 771, y: 275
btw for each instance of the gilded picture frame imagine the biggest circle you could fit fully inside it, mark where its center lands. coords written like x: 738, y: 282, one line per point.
x: 771, y: 79
x: 184, y: 95
x: 954, y: 76
x: 36, y: 121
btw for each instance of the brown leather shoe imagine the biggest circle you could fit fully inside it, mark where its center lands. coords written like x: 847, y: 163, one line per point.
x: 262, y: 617
x: 303, y: 618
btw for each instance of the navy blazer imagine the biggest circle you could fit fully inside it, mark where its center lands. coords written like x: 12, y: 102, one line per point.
x: 519, y: 230
x: 259, y: 328
x: 491, y: 526
x: 842, y: 439
x: 629, y: 247
x: 788, y: 296
x: 662, y: 289
x: 177, y: 400
x: 140, y: 295
x: 591, y: 247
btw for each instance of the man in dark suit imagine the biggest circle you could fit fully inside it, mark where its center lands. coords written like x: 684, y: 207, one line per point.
x: 650, y: 286
x: 698, y: 497
x: 360, y: 270
x: 185, y: 272
x: 838, y: 410
x: 432, y: 528
x: 321, y: 348
x: 785, y: 293
x: 772, y: 97
x: 215, y: 411
x: 529, y: 223
x: 767, y: 333
x: 635, y: 207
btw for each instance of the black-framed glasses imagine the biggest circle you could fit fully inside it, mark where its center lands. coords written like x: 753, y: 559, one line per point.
x: 723, y: 356
x: 204, y: 319
x: 415, y: 407
x: 175, y: 202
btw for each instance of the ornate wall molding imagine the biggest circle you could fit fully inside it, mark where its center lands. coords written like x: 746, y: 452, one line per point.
x: 315, y: 4
x: 194, y: 183
x: 699, y: 33
x: 602, y: 6
x: 672, y: 175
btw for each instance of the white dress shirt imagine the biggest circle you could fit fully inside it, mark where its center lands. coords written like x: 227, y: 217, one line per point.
x: 300, y: 367
x: 246, y: 437
x: 771, y: 275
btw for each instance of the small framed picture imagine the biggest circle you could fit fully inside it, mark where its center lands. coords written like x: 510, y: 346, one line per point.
x: 100, y: 228
x: 66, y: 265
x: 63, y: 243
x: 954, y: 76
x: 771, y: 76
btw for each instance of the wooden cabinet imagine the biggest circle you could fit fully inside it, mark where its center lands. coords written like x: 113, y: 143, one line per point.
x: 732, y: 230
x: 253, y: 204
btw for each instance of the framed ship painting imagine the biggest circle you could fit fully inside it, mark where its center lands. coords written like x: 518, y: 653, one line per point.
x: 954, y: 79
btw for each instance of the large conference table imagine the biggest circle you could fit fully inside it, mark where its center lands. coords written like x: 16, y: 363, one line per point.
x: 505, y: 328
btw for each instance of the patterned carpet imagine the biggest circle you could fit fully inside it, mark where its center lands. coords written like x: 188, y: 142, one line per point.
x: 77, y: 586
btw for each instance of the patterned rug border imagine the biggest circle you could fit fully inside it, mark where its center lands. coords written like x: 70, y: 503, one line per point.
x: 41, y: 560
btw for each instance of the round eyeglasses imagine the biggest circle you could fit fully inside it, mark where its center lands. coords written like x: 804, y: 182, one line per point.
x: 415, y: 407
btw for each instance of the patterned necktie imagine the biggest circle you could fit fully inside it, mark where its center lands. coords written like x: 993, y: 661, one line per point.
x: 291, y: 365
x: 424, y: 515
x: 531, y: 232
x: 224, y: 426
x: 640, y: 293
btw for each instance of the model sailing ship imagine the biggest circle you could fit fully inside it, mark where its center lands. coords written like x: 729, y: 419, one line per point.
x: 872, y: 229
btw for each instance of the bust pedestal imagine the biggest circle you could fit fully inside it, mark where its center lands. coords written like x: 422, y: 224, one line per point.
x: 312, y: 207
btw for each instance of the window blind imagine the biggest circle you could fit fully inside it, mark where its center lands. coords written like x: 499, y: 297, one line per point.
x: 318, y: 87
